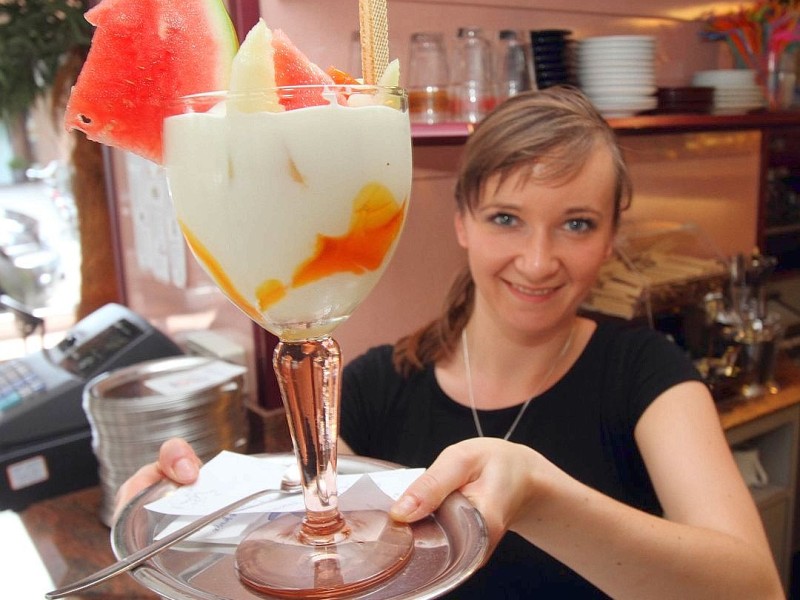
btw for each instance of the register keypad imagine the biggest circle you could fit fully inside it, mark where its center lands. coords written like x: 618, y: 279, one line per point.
x: 17, y: 382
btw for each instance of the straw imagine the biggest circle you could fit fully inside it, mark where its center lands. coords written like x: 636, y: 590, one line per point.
x: 374, y: 39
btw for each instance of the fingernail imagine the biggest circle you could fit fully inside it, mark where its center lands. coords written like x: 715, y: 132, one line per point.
x: 404, y: 507
x: 185, y: 469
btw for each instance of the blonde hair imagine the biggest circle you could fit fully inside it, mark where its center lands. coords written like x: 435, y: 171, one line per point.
x: 556, y: 130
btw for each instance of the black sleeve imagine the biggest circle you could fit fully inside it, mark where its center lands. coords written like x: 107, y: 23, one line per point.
x: 640, y: 365
x: 657, y: 364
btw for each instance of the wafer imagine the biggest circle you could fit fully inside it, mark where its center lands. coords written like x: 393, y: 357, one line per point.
x: 374, y: 27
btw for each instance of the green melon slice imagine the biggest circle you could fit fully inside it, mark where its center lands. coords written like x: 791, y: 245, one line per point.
x: 268, y: 58
x: 144, y: 55
x: 253, y: 73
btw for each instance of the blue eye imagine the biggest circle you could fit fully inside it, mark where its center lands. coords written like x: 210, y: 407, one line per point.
x: 580, y: 225
x: 504, y: 219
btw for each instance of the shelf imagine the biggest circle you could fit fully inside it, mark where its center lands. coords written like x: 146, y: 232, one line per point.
x: 454, y: 133
x: 647, y: 124
x: 441, y: 134
x: 782, y: 229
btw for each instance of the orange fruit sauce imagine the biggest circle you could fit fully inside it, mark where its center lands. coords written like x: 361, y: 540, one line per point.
x: 375, y: 223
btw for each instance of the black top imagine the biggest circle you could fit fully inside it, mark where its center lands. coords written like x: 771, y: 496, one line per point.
x: 584, y: 424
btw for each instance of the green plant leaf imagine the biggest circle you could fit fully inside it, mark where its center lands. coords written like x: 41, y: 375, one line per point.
x: 35, y: 38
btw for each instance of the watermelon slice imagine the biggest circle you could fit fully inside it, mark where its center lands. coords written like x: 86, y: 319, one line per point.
x: 144, y: 55
x: 293, y: 68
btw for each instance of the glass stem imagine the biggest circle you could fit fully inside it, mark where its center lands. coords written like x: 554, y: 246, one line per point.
x: 309, y: 376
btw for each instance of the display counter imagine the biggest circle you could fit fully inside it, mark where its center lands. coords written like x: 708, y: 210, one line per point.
x: 770, y: 424
x: 736, y: 412
x: 73, y: 543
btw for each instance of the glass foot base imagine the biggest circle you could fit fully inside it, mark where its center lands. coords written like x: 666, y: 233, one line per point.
x: 274, y: 560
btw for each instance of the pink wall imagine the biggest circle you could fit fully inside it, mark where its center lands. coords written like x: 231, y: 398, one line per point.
x: 710, y: 179
x: 152, y: 265
x: 679, y: 177
x: 323, y: 29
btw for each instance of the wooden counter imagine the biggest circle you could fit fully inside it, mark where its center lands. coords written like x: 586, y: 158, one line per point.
x: 739, y: 411
x: 73, y: 542
x: 770, y: 425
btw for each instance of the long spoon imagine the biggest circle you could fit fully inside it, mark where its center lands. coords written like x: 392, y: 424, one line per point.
x: 289, y: 485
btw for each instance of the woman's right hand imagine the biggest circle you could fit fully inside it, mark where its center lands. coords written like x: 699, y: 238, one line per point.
x: 176, y: 461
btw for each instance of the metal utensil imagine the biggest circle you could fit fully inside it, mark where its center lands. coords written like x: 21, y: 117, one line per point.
x: 289, y: 485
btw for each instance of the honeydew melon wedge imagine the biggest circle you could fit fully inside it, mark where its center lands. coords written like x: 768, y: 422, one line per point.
x: 268, y: 58
x: 391, y: 76
x: 144, y: 55
x: 389, y: 79
x: 253, y: 72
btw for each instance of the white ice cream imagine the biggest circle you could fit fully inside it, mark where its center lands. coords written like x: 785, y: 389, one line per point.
x: 257, y: 189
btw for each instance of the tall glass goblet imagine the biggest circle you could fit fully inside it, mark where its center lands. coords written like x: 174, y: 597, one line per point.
x: 292, y: 199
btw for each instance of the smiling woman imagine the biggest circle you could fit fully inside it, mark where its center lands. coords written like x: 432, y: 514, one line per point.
x: 597, y: 490
x: 542, y: 243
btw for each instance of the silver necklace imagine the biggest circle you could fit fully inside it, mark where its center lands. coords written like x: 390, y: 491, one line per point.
x: 470, y: 393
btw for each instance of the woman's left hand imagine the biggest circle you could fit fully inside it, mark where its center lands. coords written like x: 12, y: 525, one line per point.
x: 494, y: 475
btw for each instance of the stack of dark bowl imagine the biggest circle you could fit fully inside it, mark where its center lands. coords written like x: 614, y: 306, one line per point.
x: 552, y: 57
x: 685, y: 100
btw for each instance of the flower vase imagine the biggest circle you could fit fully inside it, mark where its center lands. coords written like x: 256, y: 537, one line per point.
x: 780, y: 79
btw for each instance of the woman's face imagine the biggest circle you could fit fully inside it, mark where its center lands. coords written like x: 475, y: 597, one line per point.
x: 535, y: 248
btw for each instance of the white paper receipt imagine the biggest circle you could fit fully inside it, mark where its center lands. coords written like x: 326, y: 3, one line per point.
x: 230, y: 476
x: 194, y: 380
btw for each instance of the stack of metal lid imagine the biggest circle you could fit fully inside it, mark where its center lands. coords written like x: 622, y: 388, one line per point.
x: 133, y: 410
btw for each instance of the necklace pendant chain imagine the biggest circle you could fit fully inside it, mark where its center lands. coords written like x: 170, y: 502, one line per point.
x: 471, y: 395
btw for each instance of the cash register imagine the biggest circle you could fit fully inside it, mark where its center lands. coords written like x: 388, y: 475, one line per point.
x: 45, y: 436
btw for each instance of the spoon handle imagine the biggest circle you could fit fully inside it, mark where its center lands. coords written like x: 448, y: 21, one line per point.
x: 138, y: 557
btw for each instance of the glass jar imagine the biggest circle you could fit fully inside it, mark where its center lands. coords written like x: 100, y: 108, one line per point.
x: 514, y: 69
x: 428, y: 78
x: 473, y: 93
x: 781, y: 79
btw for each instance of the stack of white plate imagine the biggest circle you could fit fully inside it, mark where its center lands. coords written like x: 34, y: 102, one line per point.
x: 617, y: 72
x: 735, y: 90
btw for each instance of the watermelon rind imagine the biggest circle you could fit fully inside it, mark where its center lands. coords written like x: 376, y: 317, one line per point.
x: 145, y: 54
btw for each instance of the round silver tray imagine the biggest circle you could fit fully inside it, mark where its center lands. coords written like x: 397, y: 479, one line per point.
x: 199, y: 571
